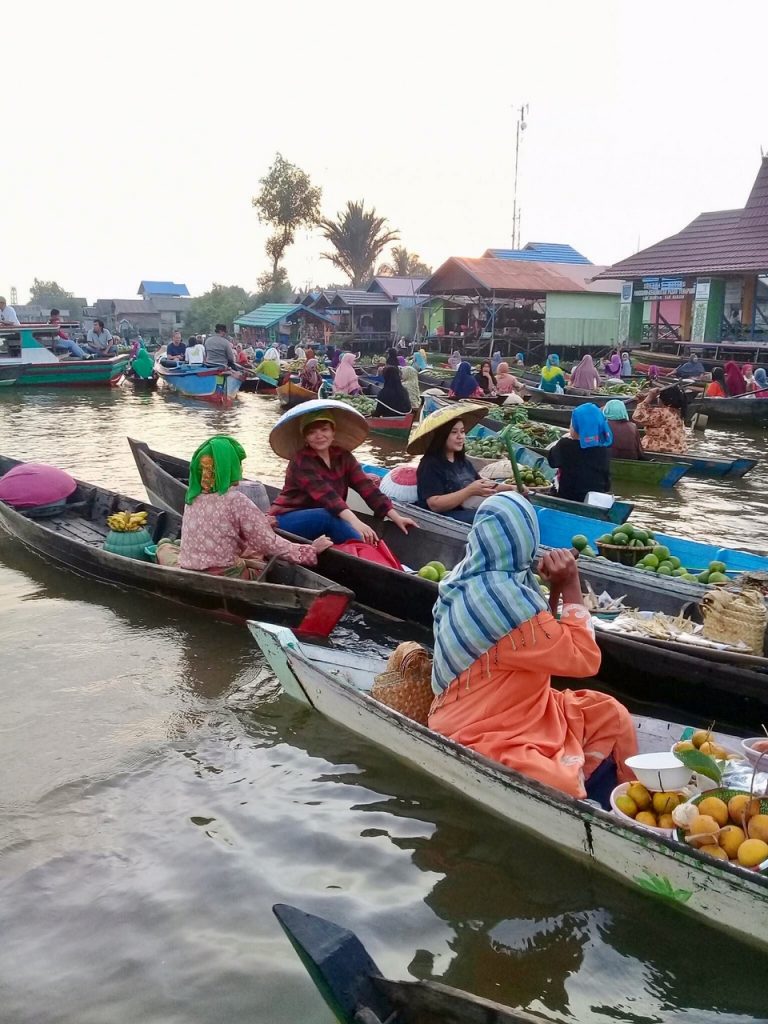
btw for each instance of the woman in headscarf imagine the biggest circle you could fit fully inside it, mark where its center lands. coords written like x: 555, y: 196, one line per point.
x: 761, y: 383
x: 222, y: 531
x: 506, y: 382
x: 485, y: 378
x: 300, y: 353
x: 584, y: 375
x: 626, y: 436
x: 270, y: 366
x: 464, y: 384
x: 626, y: 365
x: 393, y: 399
x: 582, y: 456
x: 332, y: 356
x: 552, y: 376
x: 718, y: 388
x: 520, y: 359
x: 411, y: 385
x: 662, y: 413
x: 691, y: 368
x: 454, y: 359
x: 734, y: 381
x: 612, y: 366
x: 749, y: 377
x: 392, y: 357
x: 313, y: 500
x: 497, y: 646
x: 310, y: 376
x: 420, y: 360
x: 346, y: 381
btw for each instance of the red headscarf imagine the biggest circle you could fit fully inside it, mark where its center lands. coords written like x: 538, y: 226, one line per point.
x: 734, y: 381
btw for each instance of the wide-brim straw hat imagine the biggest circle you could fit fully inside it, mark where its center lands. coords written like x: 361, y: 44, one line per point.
x: 286, y: 437
x: 421, y: 435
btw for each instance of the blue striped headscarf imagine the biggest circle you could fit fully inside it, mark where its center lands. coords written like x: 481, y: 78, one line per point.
x: 491, y: 591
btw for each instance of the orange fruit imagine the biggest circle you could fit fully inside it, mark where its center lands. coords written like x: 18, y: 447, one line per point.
x: 712, y: 850
x: 736, y: 807
x: 715, y: 808
x: 665, y: 803
x: 646, y: 818
x: 640, y: 795
x: 757, y: 827
x: 731, y: 838
x: 703, y: 824
x: 752, y: 852
x: 665, y: 821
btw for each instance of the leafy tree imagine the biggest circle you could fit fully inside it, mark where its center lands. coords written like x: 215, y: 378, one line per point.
x: 273, y: 288
x: 49, y: 293
x: 359, y: 237
x: 287, y: 201
x: 403, y: 263
x: 221, y: 305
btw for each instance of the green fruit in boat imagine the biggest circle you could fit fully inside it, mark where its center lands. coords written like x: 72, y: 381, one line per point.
x: 675, y: 562
x: 589, y: 552
x: 703, y: 577
x: 717, y: 566
x: 651, y: 561
x: 718, y: 577
x: 620, y: 539
x: 579, y: 541
x: 607, y: 538
x: 690, y: 578
x: 661, y: 552
x: 641, y: 535
x: 439, y: 568
x: 646, y: 568
x: 679, y: 572
x: 667, y: 564
x: 664, y: 570
x: 428, y: 572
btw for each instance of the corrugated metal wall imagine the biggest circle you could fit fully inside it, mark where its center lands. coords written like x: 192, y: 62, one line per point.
x: 581, y: 320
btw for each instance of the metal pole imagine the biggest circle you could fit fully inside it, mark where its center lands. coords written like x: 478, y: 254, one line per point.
x: 521, y: 126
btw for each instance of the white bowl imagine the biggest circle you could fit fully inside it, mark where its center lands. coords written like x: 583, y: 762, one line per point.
x: 620, y: 791
x: 752, y: 755
x: 659, y: 771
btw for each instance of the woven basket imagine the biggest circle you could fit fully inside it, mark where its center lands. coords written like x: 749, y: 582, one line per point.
x: 621, y: 553
x: 406, y: 686
x: 735, y: 616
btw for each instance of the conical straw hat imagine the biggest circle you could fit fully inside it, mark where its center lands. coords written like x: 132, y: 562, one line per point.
x: 286, y: 437
x: 421, y: 435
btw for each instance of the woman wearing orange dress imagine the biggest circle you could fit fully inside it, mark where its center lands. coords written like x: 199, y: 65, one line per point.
x: 497, y: 646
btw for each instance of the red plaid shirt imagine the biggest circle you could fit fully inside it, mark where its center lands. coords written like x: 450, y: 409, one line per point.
x: 309, y: 483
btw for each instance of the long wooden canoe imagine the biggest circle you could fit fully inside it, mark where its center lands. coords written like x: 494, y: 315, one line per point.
x: 728, y: 466
x: 727, y: 690
x: 74, y: 538
x: 732, y: 410
x: 291, y: 394
x: 397, y: 427
x: 573, y: 397
x: 336, y: 683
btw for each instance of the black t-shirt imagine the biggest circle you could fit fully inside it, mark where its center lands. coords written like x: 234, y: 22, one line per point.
x: 581, y: 469
x: 436, y: 475
x: 176, y: 350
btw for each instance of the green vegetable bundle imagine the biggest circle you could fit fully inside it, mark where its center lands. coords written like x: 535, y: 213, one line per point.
x: 365, y: 406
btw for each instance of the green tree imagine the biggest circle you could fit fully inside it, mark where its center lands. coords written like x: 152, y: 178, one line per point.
x: 275, y: 288
x: 403, y: 263
x: 49, y: 293
x: 359, y: 237
x: 221, y: 305
x: 286, y: 201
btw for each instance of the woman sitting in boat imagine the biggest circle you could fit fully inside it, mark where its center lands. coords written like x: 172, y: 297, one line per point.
x: 486, y: 379
x: 583, y: 455
x: 626, y: 364
x: 691, y: 368
x: 321, y: 469
x: 662, y: 413
x: 612, y: 366
x: 761, y: 383
x: 584, y: 375
x: 454, y: 359
x: 346, y: 381
x: 507, y: 383
x: 520, y: 359
x: 626, y: 436
x: 222, y: 531
x: 332, y: 356
x: 420, y: 360
x: 464, y: 385
x: 393, y: 399
x: 747, y: 372
x: 310, y: 376
x: 270, y: 365
x: 497, y: 646
x: 552, y: 377
x: 411, y: 385
x: 734, y: 380
x: 445, y: 478
x: 717, y: 389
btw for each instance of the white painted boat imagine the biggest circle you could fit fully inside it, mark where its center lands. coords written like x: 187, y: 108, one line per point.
x: 336, y: 682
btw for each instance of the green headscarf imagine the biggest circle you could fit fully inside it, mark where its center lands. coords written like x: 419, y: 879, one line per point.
x: 227, y: 455
x: 318, y: 416
x: 615, y: 410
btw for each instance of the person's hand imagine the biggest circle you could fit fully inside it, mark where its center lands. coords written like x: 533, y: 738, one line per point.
x: 321, y: 544
x: 559, y: 568
x: 367, y: 532
x: 403, y: 522
x: 653, y: 393
x: 481, y: 488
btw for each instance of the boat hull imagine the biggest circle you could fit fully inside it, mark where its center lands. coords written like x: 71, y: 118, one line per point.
x: 208, y: 384
x: 289, y: 395
x: 68, y: 373
x: 397, y: 427
x: 732, y: 410
x: 572, y: 399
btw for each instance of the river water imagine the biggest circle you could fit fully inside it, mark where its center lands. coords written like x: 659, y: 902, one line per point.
x: 159, y: 795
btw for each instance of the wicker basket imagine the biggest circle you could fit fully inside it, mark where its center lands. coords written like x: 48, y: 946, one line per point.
x: 622, y: 553
x: 735, y: 616
x: 406, y: 686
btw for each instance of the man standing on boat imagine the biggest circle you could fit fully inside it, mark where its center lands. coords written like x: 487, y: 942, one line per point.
x: 99, y: 341
x: 8, y: 316
x: 218, y: 349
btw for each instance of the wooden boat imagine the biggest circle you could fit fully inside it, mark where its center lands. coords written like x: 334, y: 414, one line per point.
x: 336, y: 683
x: 74, y: 539
x: 35, y: 365
x: 291, y: 394
x: 209, y: 383
x: 710, y: 688
x: 258, y: 383
x: 397, y: 427
x: 573, y: 397
x: 558, y: 416
x: 728, y: 466
x: 732, y: 410
x: 356, y: 991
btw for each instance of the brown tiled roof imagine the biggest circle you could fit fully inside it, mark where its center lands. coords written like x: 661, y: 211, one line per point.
x: 721, y: 242
x: 464, y: 276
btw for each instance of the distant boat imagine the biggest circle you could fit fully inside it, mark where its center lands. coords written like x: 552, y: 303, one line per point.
x: 292, y: 394
x: 36, y: 365
x: 215, y: 384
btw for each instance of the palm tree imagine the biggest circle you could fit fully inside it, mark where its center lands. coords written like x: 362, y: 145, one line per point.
x: 403, y: 263
x: 358, y: 237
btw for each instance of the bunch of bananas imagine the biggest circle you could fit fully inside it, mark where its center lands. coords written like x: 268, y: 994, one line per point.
x: 127, y: 522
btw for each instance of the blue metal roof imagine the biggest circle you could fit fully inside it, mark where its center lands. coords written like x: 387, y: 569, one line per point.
x: 541, y: 252
x: 271, y: 313
x: 162, y: 288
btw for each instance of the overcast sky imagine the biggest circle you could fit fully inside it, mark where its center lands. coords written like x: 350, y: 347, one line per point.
x: 134, y: 135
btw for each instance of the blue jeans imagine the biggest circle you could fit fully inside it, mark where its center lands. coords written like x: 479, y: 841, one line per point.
x: 314, y: 522
x: 67, y: 345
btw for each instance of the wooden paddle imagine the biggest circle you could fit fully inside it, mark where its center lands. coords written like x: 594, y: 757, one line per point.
x: 504, y: 437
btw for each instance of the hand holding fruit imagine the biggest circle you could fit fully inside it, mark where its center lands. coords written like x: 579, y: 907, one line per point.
x: 560, y: 569
x: 481, y: 488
